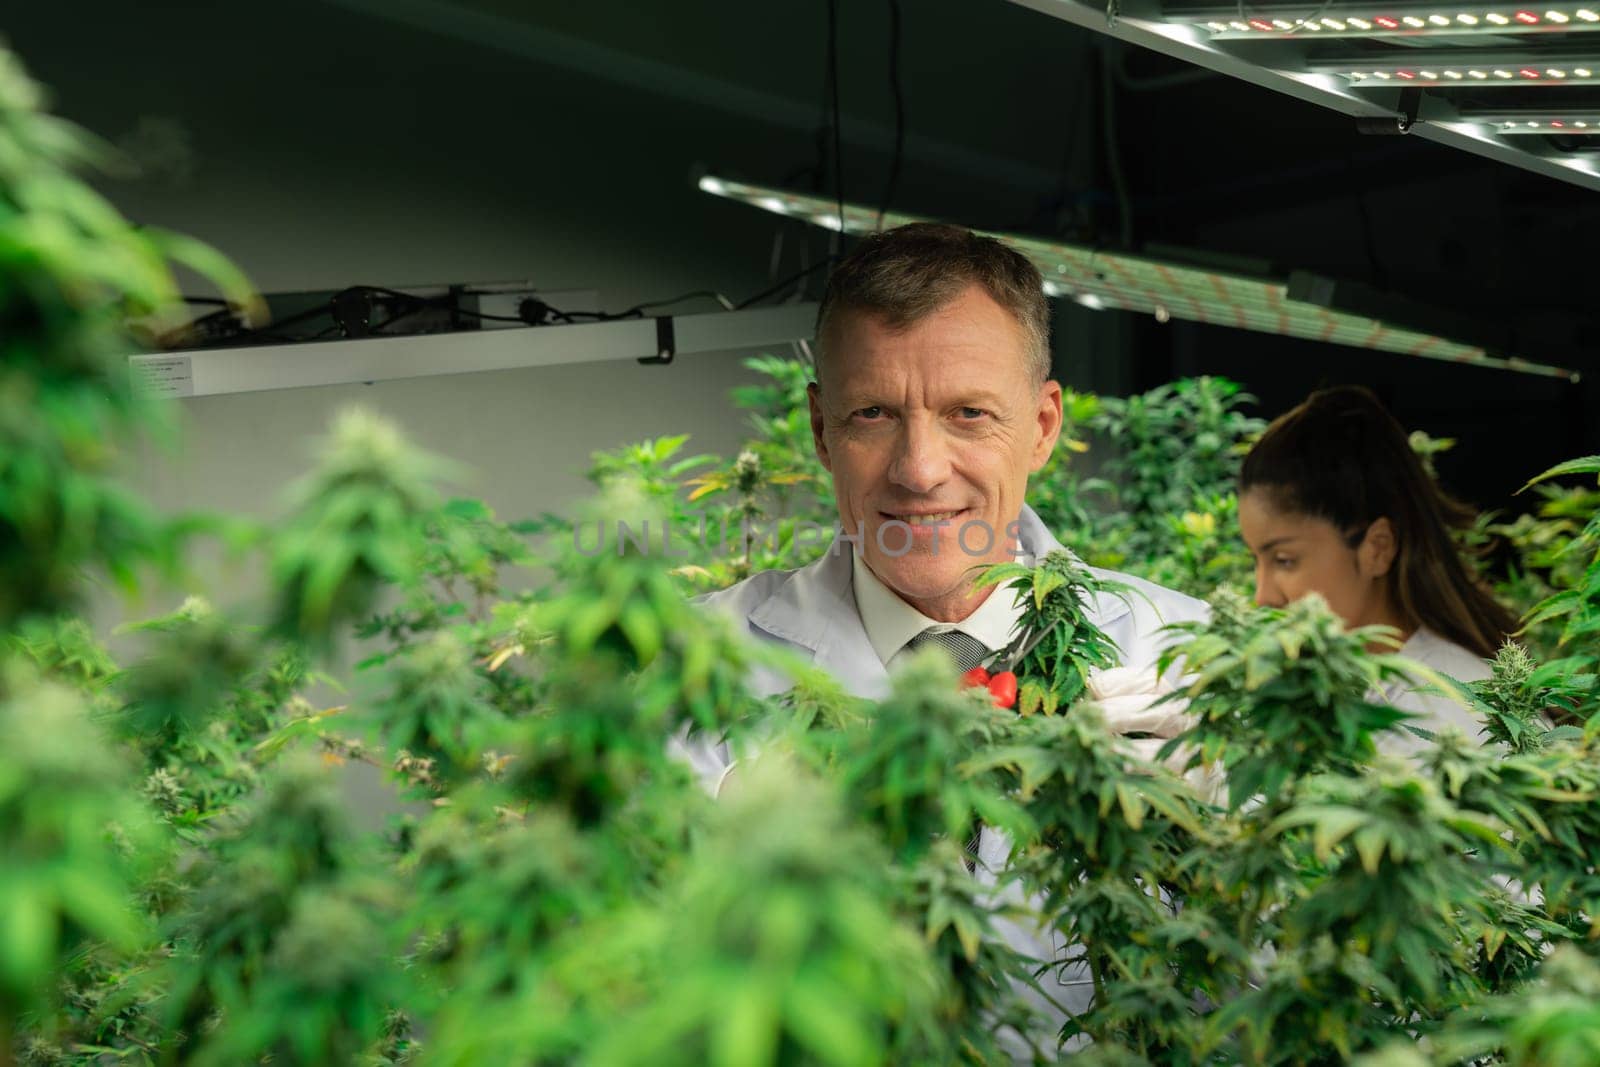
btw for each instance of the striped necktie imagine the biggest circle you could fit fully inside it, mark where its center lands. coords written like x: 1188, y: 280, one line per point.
x: 968, y: 652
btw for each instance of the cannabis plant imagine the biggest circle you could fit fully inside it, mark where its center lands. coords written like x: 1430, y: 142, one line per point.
x: 561, y: 881
x: 1547, y: 555
x: 1520, y: 702
x: 72, y: 272
x: 1055, y: 644
x: 77, y: 842
x: 1206, y: 552
x: 1061, y: 492
x: 910, y: 770
x: 286, y: 947
x: 1172, y: 446
x: 775, y: 944
x: 1577, y: 608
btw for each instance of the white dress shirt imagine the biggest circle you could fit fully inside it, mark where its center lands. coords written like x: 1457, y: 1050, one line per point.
x: 890, y: 622
x: 815, y: 612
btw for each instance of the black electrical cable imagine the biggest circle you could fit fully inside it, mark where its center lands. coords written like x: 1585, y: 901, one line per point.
x: 780, y: 286
x: 634, y: 312
x: 1119, y: 180
x: 414, y: 304
x: 638, y: 310
x: 833, y: 97
x: 377, y: 328
x: 776, y: 256
x: 478, y: 314
x: 1380, y: 277
x: 805, y: 262
x: 1076, y: 124
x: 442, y: 303
x: 899, y: 112
x: 265, y: 333
x: 573, y: 317
x: 817, y: 177
x: 709, y: 294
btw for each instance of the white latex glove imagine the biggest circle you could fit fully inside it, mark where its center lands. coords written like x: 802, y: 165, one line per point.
x: 1129, y: 698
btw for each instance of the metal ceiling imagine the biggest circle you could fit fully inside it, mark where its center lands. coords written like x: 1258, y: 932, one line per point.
x: 1504, y: 82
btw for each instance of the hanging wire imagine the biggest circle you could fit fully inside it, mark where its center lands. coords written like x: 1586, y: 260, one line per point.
x: 784, y: 284
x: 899, y: 112
x: 833, y: 97
x: 1119, y: 180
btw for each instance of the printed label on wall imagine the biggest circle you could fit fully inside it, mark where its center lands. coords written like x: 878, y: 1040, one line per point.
x: 162, y: 375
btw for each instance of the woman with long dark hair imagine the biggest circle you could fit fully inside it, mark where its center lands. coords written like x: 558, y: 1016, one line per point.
x: 1333, y: 500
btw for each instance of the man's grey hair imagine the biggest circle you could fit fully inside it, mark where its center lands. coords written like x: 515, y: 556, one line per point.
x: 905, y: 274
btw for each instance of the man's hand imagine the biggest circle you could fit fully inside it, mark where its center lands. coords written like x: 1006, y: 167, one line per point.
x: 1129, y: 699
x: 1132, y: 702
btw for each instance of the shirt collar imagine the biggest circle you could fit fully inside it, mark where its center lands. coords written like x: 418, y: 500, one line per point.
x: 890, y: 622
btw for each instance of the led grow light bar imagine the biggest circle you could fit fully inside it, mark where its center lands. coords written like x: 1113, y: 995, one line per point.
x: 1462, y: 70
x: 1099, y: 279
x: 1254, y: 22
x: 1280, y: 66
x: 1546, y: 123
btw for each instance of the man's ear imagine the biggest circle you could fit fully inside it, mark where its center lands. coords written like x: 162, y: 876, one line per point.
x: 1376, y: 553
x: 818, y: 423
x: 1048, y: 416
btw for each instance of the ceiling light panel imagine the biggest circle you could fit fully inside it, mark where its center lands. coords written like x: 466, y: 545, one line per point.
x: 1441, y: 69
x: 1395, y: 20
x: 1543, y: 123
x: 1285, y: 64
x: 1165, y: 289
x: 1557, y: 128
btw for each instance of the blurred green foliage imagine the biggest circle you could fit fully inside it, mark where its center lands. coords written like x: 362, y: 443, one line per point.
x: 183, y: 881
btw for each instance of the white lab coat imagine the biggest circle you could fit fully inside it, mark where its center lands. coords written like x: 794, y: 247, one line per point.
x: 812, y: 610
x: 1435, y: 711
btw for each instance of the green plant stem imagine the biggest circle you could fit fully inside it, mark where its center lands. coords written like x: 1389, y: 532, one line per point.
x: 749, y: 510
x: 1094, y: 975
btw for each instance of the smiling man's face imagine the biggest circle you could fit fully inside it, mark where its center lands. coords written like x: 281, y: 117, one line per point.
x: 937, y: 426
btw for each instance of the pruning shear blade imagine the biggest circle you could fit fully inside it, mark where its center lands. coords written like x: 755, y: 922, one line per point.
x: 1010, y: 664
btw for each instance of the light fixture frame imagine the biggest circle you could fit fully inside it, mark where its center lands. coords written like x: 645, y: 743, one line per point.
x: 1165, y: 288
x: 1430, y: 69
x: 1403, y: 20
x: 1538, y: 122
x: 217, y: 371
x: 1280, y: 66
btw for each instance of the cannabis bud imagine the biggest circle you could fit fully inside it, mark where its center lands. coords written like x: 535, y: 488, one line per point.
x: 163, y: 791
x: 747, y: 471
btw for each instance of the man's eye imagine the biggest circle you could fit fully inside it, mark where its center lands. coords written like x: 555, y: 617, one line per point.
x: 869, y: 413
x: 973, y: 413
x: 1283, y: 562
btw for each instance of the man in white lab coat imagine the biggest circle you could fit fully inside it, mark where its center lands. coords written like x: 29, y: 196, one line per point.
x: 931, y: 408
